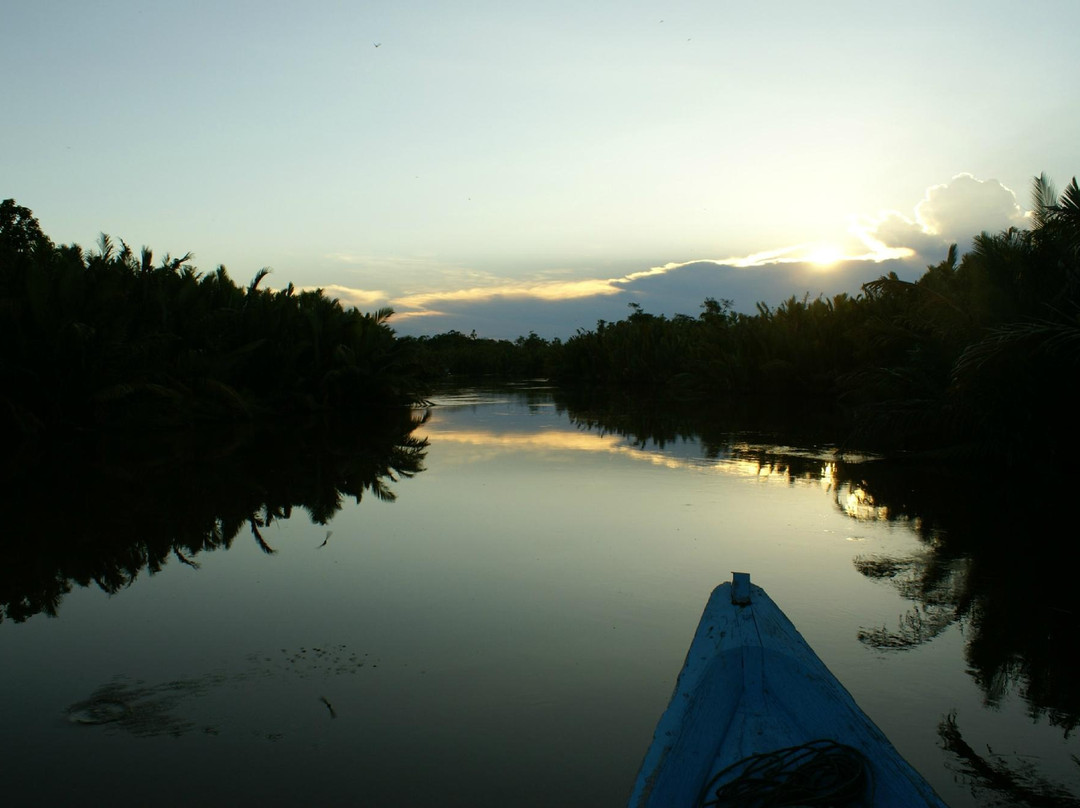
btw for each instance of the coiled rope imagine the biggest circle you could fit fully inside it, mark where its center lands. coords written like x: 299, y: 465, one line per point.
x: 818, y: 773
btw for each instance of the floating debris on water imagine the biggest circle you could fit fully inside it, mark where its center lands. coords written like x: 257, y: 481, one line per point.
x: 103, y: 710
x: 150, y: 710
x: 139, y: 709
x: 329, y: 706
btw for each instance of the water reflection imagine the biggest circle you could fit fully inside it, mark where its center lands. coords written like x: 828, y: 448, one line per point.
x: 1000, y: 568
x: 531, y: 593
x: 995, y: 563
x: 717, y: 424
x: 999, y: 779
x: 934, y: 585
x: 104, y: 514
x: 994, y: 560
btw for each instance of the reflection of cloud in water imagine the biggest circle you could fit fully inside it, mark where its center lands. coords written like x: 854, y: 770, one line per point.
x: 548, y: 440
x: 765, y: 463
x: 734, y: 463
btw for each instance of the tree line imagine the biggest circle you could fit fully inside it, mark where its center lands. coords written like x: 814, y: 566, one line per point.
x: 976, y: 357
x: 109, y: 337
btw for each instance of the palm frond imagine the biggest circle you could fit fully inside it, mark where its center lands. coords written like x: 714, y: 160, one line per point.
x: 254, y: 285
x: 1043, y: 201
x: 105, y: 246
x: 1020, y: 339
x: 259, y: 540
x: 126, y: 253
x: 1070, y: 200
x: 382, y: 315
x: 124, y: 390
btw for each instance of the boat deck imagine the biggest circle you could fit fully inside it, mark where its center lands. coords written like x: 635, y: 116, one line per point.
x: 751, y: 684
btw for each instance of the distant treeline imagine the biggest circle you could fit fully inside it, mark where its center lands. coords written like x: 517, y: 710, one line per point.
x: 111, y: 338
x: 457, y: 355
x: 979, y: 356
x: 976, y: 357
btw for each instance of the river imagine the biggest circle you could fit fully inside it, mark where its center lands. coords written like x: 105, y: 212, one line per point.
x: 495, y: 616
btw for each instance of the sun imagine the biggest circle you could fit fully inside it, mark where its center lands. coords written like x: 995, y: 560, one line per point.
x: 824, y: 255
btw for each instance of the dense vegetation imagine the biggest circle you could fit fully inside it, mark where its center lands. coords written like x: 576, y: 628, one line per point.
x: 975, y: 358
x: 978, y: 355
x: 454, y: 354
x: 106, y: 338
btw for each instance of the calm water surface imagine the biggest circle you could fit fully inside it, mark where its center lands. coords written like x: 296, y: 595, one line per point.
x: 507, y: 632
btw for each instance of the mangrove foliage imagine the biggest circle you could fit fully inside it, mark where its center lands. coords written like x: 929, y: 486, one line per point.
x: 976, y: 358
x: 111, y: 337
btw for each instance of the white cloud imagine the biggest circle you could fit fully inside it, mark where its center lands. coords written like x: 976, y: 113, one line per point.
x: 950, y: 213
x: 965, y: 206
x: 542, y: 290
x: 360, y: 298
x: 891, y: 230
x: 413, y: 272
x: 550, y: 301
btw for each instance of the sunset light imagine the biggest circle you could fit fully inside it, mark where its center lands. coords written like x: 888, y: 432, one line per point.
x: 503, y: 170
x: 825, y: 255
x: 387, y: 386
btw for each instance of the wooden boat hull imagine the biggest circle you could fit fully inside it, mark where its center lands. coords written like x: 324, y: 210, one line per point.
x: 751, y: 684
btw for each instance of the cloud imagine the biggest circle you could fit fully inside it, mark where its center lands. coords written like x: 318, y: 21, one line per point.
x: 517, y: 295
x: 677, y: 289
x: 889, y: 241
x: 349, y: 296
x: 559, y: 307
x: 893, y: 231
x: 950, y: 213
x: 544, y: 290
x: 965, y: 206
x: 684, y: 290
x: 816, y: 253
x: 409, y: 271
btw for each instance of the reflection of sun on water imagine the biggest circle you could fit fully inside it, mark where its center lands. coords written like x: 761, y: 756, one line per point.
x: 555, y: 440
x: 859, y: 504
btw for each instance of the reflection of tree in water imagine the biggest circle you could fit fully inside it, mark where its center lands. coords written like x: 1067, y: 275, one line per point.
x: 718, y: 424
x: 103, y: 514
x: 995, y: 560
x: 998, y: 782
x: 934, y: 585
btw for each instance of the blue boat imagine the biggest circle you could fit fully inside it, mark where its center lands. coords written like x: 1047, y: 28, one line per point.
x: 757, y: 719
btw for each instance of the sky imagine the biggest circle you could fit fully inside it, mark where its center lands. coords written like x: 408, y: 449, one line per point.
x: 508, y: 167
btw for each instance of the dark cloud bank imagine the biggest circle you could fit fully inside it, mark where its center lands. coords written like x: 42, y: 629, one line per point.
x: 678, y: 291
x: 949, y: 213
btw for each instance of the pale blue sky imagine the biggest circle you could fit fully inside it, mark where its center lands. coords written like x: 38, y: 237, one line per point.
x: 484, y: 151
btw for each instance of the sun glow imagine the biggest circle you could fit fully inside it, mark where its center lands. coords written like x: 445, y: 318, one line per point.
x: 824, y: 255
